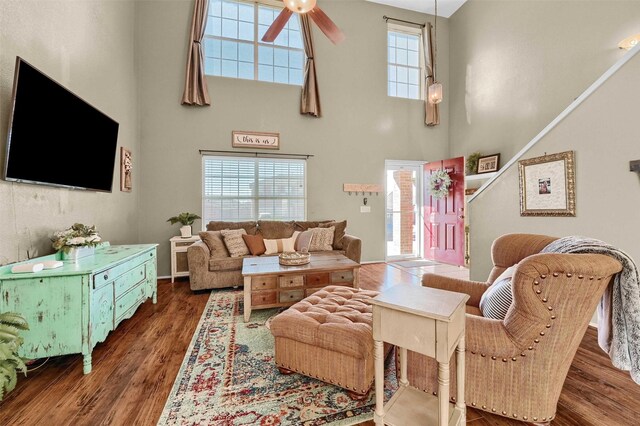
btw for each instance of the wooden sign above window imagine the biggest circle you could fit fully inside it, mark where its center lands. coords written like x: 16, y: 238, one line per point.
x: 255, y: 140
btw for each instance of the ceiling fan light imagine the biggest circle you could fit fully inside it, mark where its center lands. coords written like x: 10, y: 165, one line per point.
x: 435, y: 93
x: 300, y: 6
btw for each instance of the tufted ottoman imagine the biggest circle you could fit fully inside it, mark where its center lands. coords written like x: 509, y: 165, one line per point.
x: 328, y: 336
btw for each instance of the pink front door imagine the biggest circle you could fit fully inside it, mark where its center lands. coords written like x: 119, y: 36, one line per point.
x: 444, y: 218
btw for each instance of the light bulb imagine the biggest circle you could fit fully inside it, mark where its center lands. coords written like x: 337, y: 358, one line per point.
x: 435, y: 93
x: 629, y: 42
x: 300, y: 6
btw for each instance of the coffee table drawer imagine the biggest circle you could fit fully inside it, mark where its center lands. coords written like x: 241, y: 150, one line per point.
x: 291, y: 281
x: 291, y: 296
x: 264, y: 298
x: 263, y: 283
x: 342, y: 277
x: 314, y: 280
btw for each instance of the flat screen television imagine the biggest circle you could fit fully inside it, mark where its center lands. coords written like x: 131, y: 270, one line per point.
x: 56, y: 138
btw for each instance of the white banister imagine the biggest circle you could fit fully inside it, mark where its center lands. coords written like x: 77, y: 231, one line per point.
x: 591, y: 89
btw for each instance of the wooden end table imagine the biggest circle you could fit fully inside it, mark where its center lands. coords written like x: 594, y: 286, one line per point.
x: 179, y: 262
x: 430, y: 322
x: 267, y: 284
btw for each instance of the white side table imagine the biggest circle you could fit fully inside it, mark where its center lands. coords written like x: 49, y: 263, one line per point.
x: 179, y: 264
x: 430, y: 322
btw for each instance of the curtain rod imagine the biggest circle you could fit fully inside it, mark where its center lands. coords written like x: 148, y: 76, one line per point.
x: 388, y: 18
x: 255, y: 154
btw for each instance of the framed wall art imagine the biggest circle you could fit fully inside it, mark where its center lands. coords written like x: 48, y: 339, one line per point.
x: 126, y: 169
x: 547, y: 185
x: 255, y: 140
x: 488, y: 163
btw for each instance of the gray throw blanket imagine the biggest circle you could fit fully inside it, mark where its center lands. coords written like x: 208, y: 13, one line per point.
x: 619, y: 308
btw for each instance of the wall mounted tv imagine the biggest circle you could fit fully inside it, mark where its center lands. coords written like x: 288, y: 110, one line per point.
x: 56, y: 138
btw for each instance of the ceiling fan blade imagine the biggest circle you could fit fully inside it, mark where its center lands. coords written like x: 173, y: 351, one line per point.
x: 277, y: 26
x: 326, y: 25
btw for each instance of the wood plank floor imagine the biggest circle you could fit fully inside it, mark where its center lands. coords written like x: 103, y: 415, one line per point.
x: 134, y: 370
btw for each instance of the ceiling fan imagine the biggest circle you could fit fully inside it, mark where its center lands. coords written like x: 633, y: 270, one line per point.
x: 301, y: 7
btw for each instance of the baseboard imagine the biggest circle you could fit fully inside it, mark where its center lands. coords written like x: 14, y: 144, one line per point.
x: 369, y: 262
x: 593, y: 324
x: 164, y: 277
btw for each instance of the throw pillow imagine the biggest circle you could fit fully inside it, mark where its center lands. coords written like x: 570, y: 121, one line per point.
x: 281, y: 245
x: 496, y: 301
x: 234, y: 242
x: 255, y: 244
x: 213, y: 240
x: 322, y: 239
x: 304, y: 241
x: 339, y: 233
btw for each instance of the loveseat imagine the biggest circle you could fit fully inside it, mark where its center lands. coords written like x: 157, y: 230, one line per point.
x: 211, y: 266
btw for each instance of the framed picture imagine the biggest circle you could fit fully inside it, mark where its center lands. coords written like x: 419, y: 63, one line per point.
x: 489, y: 163
x: 255, y: 140
x: 547, y: 185
x: 126, y: 168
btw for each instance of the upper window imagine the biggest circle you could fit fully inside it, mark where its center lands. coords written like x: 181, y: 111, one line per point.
x: 240, y: 188
x: 233, y: 45
x: 405, y: 60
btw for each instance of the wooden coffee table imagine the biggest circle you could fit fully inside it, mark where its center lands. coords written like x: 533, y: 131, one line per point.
x: 267, y: 284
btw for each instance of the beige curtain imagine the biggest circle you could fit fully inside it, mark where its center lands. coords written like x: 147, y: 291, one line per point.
x: 195, y: 85
x: 432, y: 111
x: 310, y: 99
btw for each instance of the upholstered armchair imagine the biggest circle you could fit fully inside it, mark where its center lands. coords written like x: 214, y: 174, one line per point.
x: 516, y: 367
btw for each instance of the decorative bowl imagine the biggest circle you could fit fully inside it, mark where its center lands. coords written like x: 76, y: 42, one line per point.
x: 294, y: 258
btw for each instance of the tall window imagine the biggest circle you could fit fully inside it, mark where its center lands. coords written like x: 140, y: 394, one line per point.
x: 404, y: 47
x: 238, y: 188
x: 233, y: 45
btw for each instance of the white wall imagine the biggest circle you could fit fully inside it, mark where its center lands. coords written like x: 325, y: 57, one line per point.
x: 88, y: 47
x: 515, y: 65
x: 604, y: 133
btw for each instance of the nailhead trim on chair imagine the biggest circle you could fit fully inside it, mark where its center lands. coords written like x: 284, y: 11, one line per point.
x: 536, y: 341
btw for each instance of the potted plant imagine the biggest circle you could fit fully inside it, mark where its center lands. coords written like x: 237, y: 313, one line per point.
x: 10, y: 342
x: 186, y: 219
x: 76, y: 242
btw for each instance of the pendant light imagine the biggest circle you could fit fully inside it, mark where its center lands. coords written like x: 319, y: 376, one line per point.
x: 435, y: 90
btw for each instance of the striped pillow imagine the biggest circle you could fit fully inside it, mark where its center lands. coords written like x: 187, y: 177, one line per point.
x: 496, y: 301
x: 281, y: 245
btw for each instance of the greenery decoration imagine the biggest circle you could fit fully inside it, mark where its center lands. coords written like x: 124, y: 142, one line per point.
x: 472, y: 163
x: 78, y: 235
x: 439, y: 184
x: 184, y: 218
x: 10, y: 341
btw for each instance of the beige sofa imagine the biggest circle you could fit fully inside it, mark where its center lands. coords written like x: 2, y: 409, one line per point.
x: 210, y: 265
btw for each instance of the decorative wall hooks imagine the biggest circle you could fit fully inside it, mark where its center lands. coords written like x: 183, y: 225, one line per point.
x: 371, y: 188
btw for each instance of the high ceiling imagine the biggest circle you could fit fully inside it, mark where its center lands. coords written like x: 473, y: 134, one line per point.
x: 446, y: 8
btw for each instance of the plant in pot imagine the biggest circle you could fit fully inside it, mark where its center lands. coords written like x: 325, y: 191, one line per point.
x: 186, y: 219
x: 10, y: 341
x: 76, y: 242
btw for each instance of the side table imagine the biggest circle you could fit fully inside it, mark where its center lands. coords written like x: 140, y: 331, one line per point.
x: 179, y: 264
x: 430, y: 322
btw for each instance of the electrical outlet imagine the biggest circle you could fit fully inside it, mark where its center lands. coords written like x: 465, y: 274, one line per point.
x: 365, y: 209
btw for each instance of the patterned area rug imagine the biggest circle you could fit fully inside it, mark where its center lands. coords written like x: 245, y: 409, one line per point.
x: 228, y: 377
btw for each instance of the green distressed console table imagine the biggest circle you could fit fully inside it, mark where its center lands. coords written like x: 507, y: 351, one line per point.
x: 72, y: 308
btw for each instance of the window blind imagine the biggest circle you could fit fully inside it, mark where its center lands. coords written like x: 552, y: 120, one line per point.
x: 240, y: 189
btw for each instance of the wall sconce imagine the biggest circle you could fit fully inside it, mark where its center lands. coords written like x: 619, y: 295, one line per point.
x: 629, y: 42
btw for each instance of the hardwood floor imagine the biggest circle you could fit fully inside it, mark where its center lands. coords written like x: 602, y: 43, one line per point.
x: 134, y: 370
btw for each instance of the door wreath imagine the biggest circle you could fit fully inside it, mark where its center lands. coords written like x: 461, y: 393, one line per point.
x: 439, y: 184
